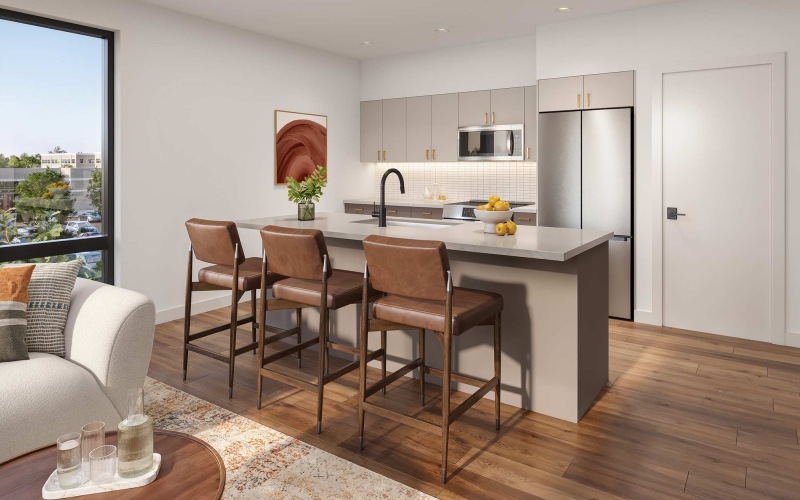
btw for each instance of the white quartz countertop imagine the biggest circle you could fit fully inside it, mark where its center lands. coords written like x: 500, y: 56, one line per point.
x: 532, y: 242
x: 423, y: 203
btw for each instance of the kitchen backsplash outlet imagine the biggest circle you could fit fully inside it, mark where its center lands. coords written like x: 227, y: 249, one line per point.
x: 461, y: 181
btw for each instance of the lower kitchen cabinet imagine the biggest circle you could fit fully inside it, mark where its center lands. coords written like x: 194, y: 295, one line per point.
x: 426, y: 213
x: 391, y: 210
x: 525, y: 219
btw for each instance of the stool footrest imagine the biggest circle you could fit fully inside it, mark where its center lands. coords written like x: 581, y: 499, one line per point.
x: 288, y: 379
x: 341, y: 371
x: 206, y: 352
x: 289, y: 350
x: 280, y: 333
x: 399, y: 417
x: 464, y: 379
x: 392, y: 378
x: 472, y: 399
x: 220, y: 328
x: 344, y: 348
x: 247, y: 348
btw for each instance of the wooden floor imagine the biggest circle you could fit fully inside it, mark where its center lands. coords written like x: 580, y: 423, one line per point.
x: 684, y: 415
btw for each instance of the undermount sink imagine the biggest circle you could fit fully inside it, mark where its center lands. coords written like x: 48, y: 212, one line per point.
x: 407, y: 223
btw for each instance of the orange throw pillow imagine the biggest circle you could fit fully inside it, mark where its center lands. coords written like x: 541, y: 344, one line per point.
x: 13, y: 312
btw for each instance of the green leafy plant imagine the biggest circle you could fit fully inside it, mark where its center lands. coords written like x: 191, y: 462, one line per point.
x: 309, y: 189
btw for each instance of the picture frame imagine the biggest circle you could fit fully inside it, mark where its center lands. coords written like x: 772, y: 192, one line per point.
x: 301, y: 143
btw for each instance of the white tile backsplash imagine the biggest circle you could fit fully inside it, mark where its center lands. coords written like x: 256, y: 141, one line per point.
x: 461, y: 181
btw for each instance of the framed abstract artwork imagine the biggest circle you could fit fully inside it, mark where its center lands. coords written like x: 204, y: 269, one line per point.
x: 301, y: 143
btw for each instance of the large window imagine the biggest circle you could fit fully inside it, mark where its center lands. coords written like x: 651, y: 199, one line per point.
x: 56, y: 143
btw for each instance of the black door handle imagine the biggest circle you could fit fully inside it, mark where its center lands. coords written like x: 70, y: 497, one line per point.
x: 672, y: 213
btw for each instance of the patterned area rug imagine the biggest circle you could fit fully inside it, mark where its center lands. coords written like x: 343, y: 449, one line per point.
x: 261, y: 462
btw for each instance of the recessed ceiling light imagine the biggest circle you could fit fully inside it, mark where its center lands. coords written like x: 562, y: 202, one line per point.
x: 366, y: 44
x: 562, y: 10
x: 441, y: 30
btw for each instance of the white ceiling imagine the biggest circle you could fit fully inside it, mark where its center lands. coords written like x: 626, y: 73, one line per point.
x: 394, y: 26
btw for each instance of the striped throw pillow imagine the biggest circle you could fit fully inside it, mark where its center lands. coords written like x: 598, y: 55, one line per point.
x: 13, y: 312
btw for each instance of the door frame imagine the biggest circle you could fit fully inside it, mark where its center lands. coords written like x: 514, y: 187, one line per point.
x: 777, y: 62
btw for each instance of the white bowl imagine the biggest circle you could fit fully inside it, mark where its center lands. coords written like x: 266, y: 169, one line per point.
x: 491, y: 219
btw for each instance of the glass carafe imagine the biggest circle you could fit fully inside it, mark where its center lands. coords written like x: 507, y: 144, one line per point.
x: 135, y: 438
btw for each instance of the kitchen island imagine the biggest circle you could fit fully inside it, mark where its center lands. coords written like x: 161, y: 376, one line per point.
x: 554, y: 283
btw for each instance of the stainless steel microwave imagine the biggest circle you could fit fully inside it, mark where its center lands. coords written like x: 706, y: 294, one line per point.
x: 491, y: 143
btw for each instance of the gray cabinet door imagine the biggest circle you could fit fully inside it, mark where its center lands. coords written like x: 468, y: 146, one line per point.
x: 418, y: 129
x: 474, y: 108
x: 608, y: 90
x: 507, y: 106
x: 559, y: 170
x: 531, y: 119
x: 561, y: 94
x: 371, y: 131
x: 444, y: 127
x: 394, y: 130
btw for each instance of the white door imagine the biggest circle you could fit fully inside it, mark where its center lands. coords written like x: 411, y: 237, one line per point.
x: 717, y: 145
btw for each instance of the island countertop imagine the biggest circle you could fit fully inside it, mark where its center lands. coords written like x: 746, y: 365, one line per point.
x: 532, y: 242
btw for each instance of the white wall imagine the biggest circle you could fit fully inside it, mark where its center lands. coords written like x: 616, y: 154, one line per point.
x: 481, y: 66
x: 195, y: 130
x: 650, y: 38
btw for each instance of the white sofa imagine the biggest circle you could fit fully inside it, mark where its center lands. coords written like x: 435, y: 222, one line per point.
x: 109, y: 338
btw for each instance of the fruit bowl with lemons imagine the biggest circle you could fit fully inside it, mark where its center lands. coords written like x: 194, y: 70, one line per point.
x: 496, y: 217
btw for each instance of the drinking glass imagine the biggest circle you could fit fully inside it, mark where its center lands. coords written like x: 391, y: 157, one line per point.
x: 68, y: 463
x: 103, y: 464
x: 93, y: 435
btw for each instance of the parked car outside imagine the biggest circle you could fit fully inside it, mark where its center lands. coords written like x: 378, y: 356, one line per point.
x: 74, y: 227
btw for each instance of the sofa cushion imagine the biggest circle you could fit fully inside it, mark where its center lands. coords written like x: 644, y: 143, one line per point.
x: 48, y: 306
x: 45, y: 397
x: 13, y: 309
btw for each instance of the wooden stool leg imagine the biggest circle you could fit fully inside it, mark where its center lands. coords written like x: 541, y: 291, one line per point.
x: 232, y: 355
x: 187, y: 315
x: 323, y: 348
x: 362, y: 380
x: 497, y: 372
x: 299, y: 316
x: 327, y: 339
x: 421, y: 342
x: 261, y: 330
x: 446, y: 377
x: 383, y: 360
x: 253, y: 312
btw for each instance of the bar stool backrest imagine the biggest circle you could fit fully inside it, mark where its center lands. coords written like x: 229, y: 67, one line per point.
x: 214, y: 241
x: 295, y: 253
x: 411, y: 268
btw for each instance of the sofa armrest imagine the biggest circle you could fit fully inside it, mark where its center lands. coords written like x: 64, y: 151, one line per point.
x: 110, y: 333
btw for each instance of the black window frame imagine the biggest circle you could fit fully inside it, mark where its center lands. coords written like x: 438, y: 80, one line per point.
x: 105, y: 242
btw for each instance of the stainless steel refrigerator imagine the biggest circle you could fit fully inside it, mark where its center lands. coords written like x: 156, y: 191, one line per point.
x: 585, y: 172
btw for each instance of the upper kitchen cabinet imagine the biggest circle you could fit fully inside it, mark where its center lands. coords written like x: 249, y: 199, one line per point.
x: 474, y: 108
x: 371, y: 131
x: 608, y: 90
x: 444, y: 127
x: 507, y: 106
x: 531, y: 117
x: 561, y: 94
x: 394, y: 130
x: 418, y: 129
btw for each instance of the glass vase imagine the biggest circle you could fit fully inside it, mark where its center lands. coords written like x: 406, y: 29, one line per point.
x: 306, y: 211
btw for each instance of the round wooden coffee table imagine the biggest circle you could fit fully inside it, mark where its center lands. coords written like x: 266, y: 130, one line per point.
x: 190, y: 468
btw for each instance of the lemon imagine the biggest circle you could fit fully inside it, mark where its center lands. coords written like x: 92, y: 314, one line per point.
x: 480, y: 207
x: 492, y: 203
x: 494, y: 198
x: 511, y: 226
x: 501, y: 229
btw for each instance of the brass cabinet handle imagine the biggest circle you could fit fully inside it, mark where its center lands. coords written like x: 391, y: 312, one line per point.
x: 528, y: 153
x: 384, y: 155
x: 485, y: 118
x: 588, y: 100
x: 579, y: 100
x: 524, y: 218
x: 379, y: 155
x: 358, y: 209
x: 391, y: 211
x: 492, y: 117
x: 433, y: 154
x: 426, y: 213
x: 427, y: 151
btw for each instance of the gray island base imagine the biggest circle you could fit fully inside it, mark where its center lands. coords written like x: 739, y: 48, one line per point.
x: 554, y: 283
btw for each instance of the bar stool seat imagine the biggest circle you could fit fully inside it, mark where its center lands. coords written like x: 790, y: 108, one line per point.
x: 344, y: 288
x: 249, y: 275
x: 470, y: 308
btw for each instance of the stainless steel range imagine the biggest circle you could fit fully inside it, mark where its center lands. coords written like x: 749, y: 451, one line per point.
x: 466, y: 210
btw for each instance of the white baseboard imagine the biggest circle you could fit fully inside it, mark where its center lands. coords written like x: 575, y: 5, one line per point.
x: 646, y: 317
x: 199, y: 306
x: 792, y: 339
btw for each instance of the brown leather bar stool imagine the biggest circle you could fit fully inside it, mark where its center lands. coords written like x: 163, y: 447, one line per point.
x: 415, y: 278
x: 301, y: 255
x: 217, y: 243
